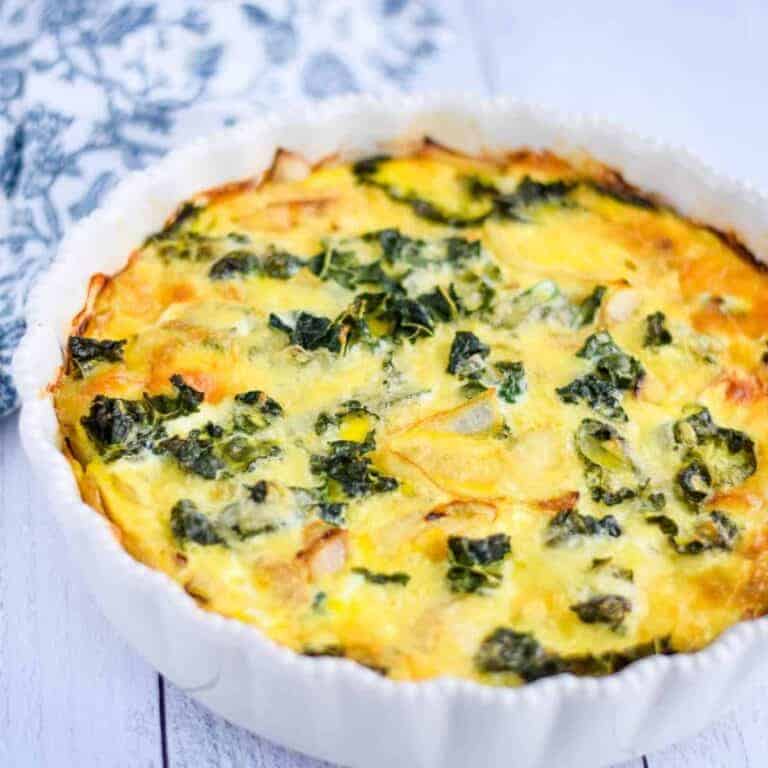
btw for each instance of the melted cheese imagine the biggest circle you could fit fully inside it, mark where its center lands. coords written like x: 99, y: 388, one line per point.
x: 462, y: 466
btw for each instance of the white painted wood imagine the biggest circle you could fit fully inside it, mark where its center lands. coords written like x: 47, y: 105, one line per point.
x: 691, y: 73
x: 71, y: 692
x: 739, y: 740
x: 197, y: 738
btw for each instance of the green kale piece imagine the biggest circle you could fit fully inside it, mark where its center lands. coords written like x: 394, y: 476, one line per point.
x: 119, y: 427
x: 366, y: 172
x: 194, y: 453
x: 396, y: 247
x: 475, y: 563
x: 715, y: 532
x: 569, y: 524
x: 603, y: 609
x: 600, y: 395
x: 189, y: 524
x: 609, y: 472
x: 347, y: 469
x: 186, y: 400
x: 234, y: 264
x: 184, y: 216
x: 441, y: 304
x: 598, y: 345
x: 410, y: 319
x: 694, y: 482
x: 715, y: 457
x: 505, y: 650
x: 614, y: 371
x: 85, y: 352
x: 467, y: 354
x: 656, y: 331
x: 346, y: 409
x: 240, y: 453
x: 333, y: 513
x: 254, y: 410
x: 279, y: 264
x: 513, y: 384
x: 585, y: 311
x: 398, y: 577
x: 308, y: 331
x: 482, y: 552
x: 529, y: 193
x: 257, y: 493
x: 460, y: 250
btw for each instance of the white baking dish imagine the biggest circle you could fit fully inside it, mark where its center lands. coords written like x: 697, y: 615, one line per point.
x: 332, y: 708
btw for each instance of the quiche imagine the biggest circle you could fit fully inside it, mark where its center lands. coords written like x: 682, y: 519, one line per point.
x: 495, y: 417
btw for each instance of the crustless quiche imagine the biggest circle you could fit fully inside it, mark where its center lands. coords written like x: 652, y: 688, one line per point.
x: 496, y: 417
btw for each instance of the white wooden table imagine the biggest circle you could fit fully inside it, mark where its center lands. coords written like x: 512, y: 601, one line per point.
x: 693, y: 72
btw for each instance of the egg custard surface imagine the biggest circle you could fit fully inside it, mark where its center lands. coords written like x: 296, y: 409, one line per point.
x: 495, y: 418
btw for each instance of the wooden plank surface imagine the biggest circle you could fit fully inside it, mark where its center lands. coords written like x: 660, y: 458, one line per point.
x: 71, y: 692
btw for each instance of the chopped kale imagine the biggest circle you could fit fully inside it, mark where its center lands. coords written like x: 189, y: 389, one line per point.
x: 367, y: 166
x: 349, y: 408
x: 598, y: 394
x: 308, y: 331
x: 475, y: 563
x: 120, y: 427
x: 398, y: 577
x: 189, y: 524
x: 441, y: 304
x: 459, y: 250
x: 186, y: 400
x: 603, y: 609
x: 613, y: 372
x: 257, y: 493
x: 505, y: 650
x: 620, y: 371
x: 484, y: 551
x: 694, y: 482
x: 85, y: 352
x: 367, y: 172
x: 529, y: 193
x: 280, y: 265
x: 569, y: 524
x: 185, y: 215
x: 715, y: 532
x: 715, y: 457
x: 347, y: 469
x: 410, y: 319
x: 656, y: 332
x: 254, y: 411
x: 240, y: 454
x: 598, y: 345
x: 194, y: 453
x: 234, y: 264
x: 396, y: 246
x: 513, y: 384
x: 467, y: 354
x: 585, y: 311
x: 333, y: 513
x: 609, y: 472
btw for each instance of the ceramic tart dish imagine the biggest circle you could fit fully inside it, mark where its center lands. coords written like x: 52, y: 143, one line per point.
x: 420, y: 436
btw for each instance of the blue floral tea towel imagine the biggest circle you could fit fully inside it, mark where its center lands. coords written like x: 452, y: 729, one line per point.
x: 91, y: 89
